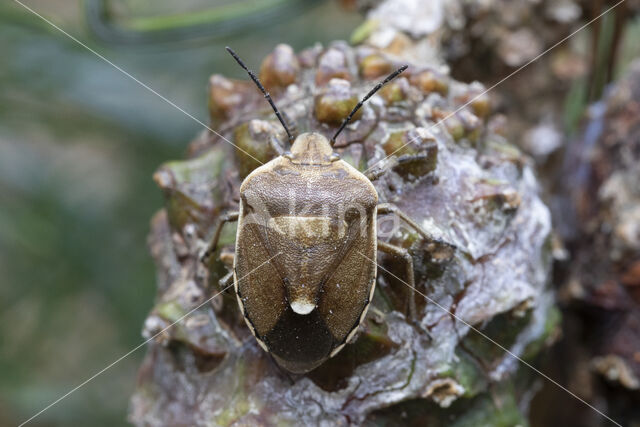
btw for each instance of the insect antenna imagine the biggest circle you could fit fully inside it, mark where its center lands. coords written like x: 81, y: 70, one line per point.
x: 262, y: 89
x: 367, y: 96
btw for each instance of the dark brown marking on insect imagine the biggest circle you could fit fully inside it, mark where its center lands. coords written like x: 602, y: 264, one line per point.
x: 285, y: 171
x: 345, y: 250
x: 262, y: 294
x: 339, y: 174
x: 249, y: 322
x: 350, y: 283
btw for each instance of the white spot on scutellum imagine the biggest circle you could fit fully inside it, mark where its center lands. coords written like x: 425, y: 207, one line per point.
x: 302, y: 306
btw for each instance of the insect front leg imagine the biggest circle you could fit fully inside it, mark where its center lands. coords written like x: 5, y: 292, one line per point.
x: 381, y: 169
x: 227, y: 217
x: 409, y: 276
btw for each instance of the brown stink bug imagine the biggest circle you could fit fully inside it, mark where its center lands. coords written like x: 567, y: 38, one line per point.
x: 303, y: 271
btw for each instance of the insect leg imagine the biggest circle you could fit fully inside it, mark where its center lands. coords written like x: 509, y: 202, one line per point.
x: 438, y: 248
x: 227, y: 217
x: 293, y: 126
x: 381, y: 169
x: 406, y: 256
x: 383, y: 166
x: 276, y: 145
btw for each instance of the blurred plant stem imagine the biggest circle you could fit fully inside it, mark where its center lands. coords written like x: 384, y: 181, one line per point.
x: 152, y: 21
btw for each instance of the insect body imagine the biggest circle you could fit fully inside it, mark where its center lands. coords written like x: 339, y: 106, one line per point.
x: 318, y: 213
x: 303, y: 269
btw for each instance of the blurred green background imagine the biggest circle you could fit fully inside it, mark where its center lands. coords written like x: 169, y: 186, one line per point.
x: 79, y: 142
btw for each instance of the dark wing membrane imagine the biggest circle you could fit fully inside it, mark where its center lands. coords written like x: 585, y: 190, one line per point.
x: 300, y: 342
x: 262, y: 291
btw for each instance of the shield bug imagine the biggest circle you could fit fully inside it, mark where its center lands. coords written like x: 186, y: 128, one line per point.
x: 314, y: 216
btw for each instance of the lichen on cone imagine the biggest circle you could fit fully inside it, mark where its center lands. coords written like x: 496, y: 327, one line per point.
x: 461, y: 179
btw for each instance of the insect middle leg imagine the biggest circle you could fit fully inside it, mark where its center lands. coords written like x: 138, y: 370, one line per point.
x: 399, y: 252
